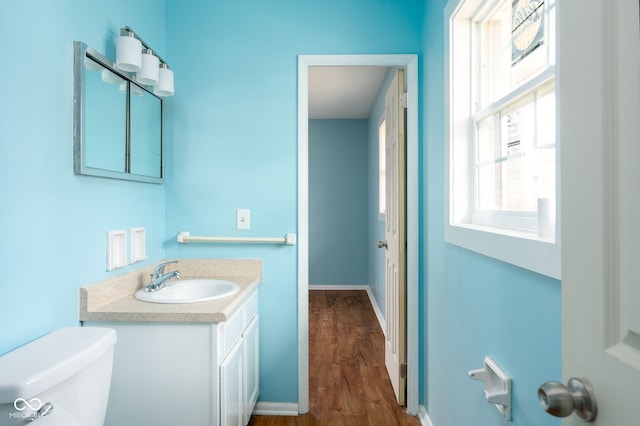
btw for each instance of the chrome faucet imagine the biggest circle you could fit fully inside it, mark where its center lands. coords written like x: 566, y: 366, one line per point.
x: 159, y: 277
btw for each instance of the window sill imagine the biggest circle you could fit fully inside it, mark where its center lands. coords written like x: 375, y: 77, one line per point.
x: 526, y: 250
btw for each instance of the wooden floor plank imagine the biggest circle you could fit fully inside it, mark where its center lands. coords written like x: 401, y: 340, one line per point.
x: 348, y: 382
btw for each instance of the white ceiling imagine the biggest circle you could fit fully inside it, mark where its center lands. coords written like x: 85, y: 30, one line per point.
x: 343, y: 92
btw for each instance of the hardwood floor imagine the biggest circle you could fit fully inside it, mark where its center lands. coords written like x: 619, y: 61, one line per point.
x: 348, y: 383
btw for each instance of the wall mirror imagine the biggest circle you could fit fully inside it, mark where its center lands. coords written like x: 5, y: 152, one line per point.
x: 118, y: 124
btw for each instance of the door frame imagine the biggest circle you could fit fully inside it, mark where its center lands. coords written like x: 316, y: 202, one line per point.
x: 410, y: 64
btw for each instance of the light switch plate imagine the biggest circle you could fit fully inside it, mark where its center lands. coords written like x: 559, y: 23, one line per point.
x: 243, y: 219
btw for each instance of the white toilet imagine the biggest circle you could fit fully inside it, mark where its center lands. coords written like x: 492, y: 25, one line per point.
x: 61, y: 379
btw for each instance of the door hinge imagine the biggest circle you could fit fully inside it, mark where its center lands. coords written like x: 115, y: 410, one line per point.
x: 403, y: 371
x: 403, y: 100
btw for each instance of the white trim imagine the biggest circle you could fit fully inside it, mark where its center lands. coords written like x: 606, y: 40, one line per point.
x: 276, y: 409
x: 534, y: 254
x: 518, y: 93
x: 410, y: 63
x: 303, y: 234
x: 425, y: 420
x: 377, y: 311
x: 338, y: 287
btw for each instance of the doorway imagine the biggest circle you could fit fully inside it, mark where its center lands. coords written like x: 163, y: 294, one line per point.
x: 410, y: 64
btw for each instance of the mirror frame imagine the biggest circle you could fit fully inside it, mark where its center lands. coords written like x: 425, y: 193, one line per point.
x: 82, y: 51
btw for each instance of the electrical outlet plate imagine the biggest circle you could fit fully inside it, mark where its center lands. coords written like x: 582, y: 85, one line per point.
x: 116, y: 249
x: 137, y: 249
x: 243, y: 219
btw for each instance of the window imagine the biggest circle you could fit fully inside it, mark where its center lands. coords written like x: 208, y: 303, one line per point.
x: 502, y: 130
x: 382, y: 170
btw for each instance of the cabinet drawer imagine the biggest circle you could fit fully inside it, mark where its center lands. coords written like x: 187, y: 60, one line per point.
x: 232, y: 331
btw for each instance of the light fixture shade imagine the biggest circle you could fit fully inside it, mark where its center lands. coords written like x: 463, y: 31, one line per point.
x: 110, y: 77
x: 165, y: 83
x: 92, y: 65
x: 128, y: 53
x: 150, y: 72
x: 135, y: 90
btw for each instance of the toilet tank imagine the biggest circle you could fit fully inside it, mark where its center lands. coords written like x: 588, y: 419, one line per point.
x: 68, y: 370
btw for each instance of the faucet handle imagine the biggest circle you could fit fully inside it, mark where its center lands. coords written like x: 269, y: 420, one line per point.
x: 161, y: 268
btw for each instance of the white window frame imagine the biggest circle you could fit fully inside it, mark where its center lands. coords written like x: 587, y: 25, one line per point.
x: 520, y: 248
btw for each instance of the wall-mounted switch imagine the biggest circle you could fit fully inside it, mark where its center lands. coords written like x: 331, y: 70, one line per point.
x: 243, y: 219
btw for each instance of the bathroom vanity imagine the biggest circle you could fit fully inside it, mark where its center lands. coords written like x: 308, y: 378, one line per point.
x: 192, y: 363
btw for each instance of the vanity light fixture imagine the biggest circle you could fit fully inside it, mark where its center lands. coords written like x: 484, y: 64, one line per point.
x: 135, y: 56
x: 150, y: 71
x: 165, y: 83
x: 128, y: 52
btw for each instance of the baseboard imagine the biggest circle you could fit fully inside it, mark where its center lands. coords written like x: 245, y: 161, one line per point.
x: 291, y: 409
x: 425, y: 420
x: 276, y: 409
x: 364, y: 287
x: 376, y: 309
x: 338, y: 287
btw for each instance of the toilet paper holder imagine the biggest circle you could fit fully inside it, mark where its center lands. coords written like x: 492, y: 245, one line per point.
x: 497, y: 385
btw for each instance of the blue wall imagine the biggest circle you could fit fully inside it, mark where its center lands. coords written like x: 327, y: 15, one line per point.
x: 338, y: 202
x: 54, y: 223
x: 476, y: 306
x: 233, y: 138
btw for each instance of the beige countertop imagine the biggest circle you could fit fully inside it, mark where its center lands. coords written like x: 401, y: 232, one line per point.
x: 113, y: 300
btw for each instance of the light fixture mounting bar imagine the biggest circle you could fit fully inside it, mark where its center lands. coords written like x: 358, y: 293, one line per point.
x: 135, y: 34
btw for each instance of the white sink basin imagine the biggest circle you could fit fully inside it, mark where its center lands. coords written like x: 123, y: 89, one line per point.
x: 189, y: 291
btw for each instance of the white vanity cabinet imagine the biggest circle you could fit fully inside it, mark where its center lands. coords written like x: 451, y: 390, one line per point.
x: 239, y: 372
x: 170, y: 373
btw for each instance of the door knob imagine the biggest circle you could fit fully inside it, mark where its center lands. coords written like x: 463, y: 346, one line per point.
x: 577, y: 396
x: 382, y: 244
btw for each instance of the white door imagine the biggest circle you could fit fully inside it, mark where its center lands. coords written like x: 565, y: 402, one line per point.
x: 599, y: 124
x: 395, y: 333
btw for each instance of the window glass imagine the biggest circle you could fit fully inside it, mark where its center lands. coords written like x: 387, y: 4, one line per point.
x: 516, y: 45
x: 515, y: 152
x: 382, y: 169
x: 514, y: 139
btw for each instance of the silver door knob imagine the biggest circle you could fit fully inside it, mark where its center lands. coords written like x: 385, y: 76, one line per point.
x: 382, y: 244
x: 576, y: 397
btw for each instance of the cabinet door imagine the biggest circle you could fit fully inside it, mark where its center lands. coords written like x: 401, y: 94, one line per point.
x: 231, y: 387
x: 251, y: 359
